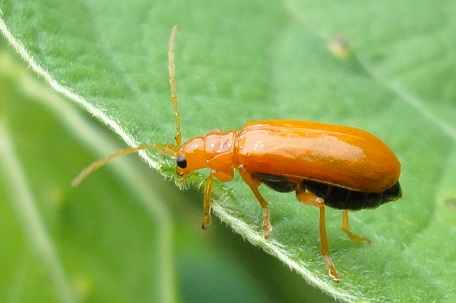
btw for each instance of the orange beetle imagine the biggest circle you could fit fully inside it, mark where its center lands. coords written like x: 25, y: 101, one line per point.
x: 339, y: 166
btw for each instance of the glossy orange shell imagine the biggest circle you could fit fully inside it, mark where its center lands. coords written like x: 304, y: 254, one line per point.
x: 338, y: 155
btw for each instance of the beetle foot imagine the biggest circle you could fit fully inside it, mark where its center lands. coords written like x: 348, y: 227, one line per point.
x: 267, y: 228
x: 331, y: 269
x: 356, y: 237
x: 206, y: 223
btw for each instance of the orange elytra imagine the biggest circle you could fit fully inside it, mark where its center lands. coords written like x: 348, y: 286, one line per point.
x: 339, y: 166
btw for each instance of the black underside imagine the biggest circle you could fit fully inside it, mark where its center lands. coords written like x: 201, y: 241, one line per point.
x: 334, y: 196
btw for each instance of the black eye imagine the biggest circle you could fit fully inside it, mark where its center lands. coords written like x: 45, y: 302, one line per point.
x: 181, y: 162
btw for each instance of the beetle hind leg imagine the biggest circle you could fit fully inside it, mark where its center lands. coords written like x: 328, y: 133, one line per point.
x: 313, y: 200
x: 346, y: 228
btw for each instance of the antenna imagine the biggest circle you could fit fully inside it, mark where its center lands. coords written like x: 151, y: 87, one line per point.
x: 172, y: 83
x: 167, y: 149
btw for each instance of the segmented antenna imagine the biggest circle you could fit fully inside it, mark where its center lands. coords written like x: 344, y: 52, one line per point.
x: 172, y: 83
x: 166, y: 149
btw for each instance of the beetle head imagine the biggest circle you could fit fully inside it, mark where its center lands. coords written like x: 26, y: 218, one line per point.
x: 191, y: 156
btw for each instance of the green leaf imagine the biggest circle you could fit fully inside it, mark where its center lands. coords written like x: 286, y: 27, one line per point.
x: 246, y: 60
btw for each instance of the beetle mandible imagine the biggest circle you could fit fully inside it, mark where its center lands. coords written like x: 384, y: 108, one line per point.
x: 339, y: 166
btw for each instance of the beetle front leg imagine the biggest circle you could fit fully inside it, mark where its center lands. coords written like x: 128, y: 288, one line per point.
x: 313, y: 200
x: 253, y: 184
x: 207, y: 201
x: 346, y: 229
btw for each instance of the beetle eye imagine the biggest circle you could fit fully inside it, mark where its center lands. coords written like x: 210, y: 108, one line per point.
x: 181, y: 162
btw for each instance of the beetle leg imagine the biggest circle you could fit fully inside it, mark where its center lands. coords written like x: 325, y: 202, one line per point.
x: 253, y: 184
x: 313, y: 200
x: 207, y: 201
x: 346, y: 229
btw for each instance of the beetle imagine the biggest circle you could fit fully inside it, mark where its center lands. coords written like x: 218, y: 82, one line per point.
x: 325, y: 165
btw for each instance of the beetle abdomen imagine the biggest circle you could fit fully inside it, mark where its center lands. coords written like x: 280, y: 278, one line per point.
x: 334, y: 196
x: 342, y: 198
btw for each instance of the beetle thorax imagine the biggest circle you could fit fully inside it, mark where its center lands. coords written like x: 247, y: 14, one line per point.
x: 214, y: 151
